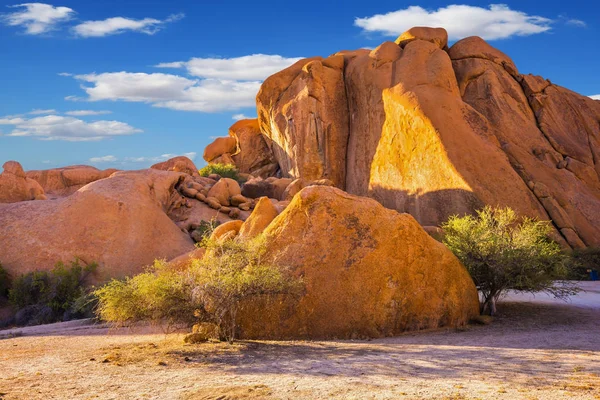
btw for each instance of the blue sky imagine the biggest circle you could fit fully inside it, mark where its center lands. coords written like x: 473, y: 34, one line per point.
x: 125, y: 84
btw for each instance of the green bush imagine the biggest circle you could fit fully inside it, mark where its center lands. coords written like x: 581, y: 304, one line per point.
x: 4, y: 283
x: 204, y: 229
x: 223, y: 170
x: 212, y: 290
x: 231, y: 273
x: 503, y: 252
x: 57, y: 289
x: 158, y: 295
x: 583, y: 261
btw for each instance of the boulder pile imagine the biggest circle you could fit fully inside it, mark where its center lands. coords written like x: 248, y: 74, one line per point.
x: 433, y: 131
x: 15, y: 186
x: 60, y: 182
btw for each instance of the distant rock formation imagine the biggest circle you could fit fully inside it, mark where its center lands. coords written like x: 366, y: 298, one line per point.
x: 120, y: 222
x: 15, y: 186
x: 435, y: 131
x: 59, y: 182
x: 178, y: 164
x: 246, y: 148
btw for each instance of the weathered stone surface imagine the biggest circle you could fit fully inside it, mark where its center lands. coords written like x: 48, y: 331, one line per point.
x: 65, y: 181
x: 224, y: 189
x: 178, y: 164
x: 271, y: 187
x: 264, y: 212
x: 303, y: 112
x: 252, y: 155
x: 226, y: 229
x: 437, y: 36
x: 219, y: 147
x: 15, y: 186
x: 120, y: 222
x: 368, y: 272
x: 435, y: 132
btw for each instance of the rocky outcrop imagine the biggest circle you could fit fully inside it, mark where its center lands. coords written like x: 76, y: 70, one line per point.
x: 434, y: 131
x: 15, y: 186
x: 246, y: 148
x: 65, y: 181
x: 368, y: 272
x: 178, y: 164
x: 120, y: 222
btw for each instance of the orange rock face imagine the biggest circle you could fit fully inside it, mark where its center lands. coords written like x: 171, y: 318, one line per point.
x: 252, y: 155
x: 66, y: 181
x: 219, y: 147
x: 434, y: 131
x: 368, y: 272
x: 119, y: 222
x: 15, y: 186
x: 178, y: 164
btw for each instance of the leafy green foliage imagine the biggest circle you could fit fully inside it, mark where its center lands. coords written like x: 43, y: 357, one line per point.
x: 205, y: 229
x: 158, y: 295
x: 583, y: 261
x: 224, y: 170
x: 57, y: 289
x: 504, y: 252
x: 214, y: 289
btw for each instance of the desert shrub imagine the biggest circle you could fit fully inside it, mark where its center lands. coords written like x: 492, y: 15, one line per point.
x: 503, y: 252
x: 205, y: 229
x: 54, y: 292
x: 4, y: 283
x: 224, y: 170
x: 231, y: 273
x: 157, y: 295
x: 583, y: 261
x: 212, y: 290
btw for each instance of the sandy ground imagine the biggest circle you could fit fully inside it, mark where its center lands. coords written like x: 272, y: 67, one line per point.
x: 538, y: 348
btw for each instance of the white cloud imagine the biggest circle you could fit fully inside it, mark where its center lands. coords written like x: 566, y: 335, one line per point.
x: 246, y: 68
x: 41, y: 112
x: 118, y: 25
x: 83, y: 113
x: 161, y: 158
x: 237, y: 117
x: 497, y: 21
x: 576, y: 22
x: 37, y: 18
x: 103, y: 159
x: 171, y: 91
x: 595, y: 97
x: 213, y: 86
x: 55, y: 127
x: 11, y: 120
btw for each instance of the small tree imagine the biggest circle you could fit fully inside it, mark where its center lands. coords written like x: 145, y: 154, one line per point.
x: 502, y: 252
x: 231, y: 273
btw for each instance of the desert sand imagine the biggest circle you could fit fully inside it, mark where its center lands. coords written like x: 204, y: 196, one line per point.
x: 537, y: 348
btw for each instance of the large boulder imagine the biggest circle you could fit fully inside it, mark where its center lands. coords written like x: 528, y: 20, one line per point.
x: 368, y: 272
x: 218, y: 147
x: 434, y: 131
x: 15, y: 186
x: 67, y: 180
x: 252, y: 155
x: 264, y: 212
x: 120, y: 222
x: 224, y: 190
x: 178, y: 164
